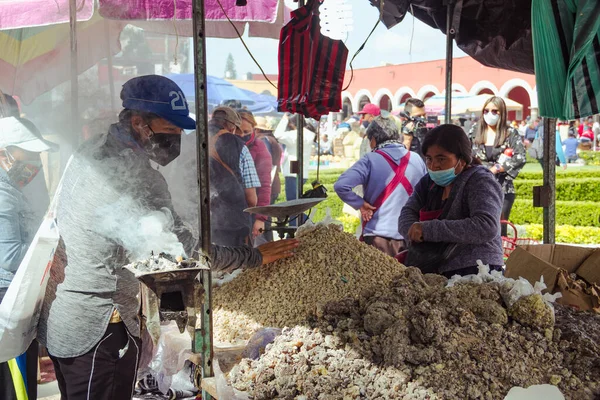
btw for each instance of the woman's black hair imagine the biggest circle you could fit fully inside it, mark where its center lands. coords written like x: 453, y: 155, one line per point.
x: 453, y: 139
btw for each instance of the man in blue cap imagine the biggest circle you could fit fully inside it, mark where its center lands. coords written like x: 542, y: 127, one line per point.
x: 111, y: 204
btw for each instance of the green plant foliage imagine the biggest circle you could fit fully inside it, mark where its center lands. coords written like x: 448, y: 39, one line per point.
x: 567, y: 234
x: 570, y: 189
x: 590, y: 157
x: 577, y: 213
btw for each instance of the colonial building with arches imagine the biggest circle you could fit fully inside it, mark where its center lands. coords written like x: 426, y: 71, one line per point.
x: 389, y: 86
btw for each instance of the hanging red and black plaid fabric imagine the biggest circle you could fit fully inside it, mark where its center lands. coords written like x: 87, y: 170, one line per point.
x: 311, y: 66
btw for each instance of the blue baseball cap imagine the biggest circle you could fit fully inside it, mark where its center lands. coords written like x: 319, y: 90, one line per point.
x: 158, y: 95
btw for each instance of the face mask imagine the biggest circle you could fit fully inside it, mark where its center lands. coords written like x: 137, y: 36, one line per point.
x: 163, y: 147
x: 443, y: 178
x: 491, y: 119
x: 365, y: 124
x: 21, y: 172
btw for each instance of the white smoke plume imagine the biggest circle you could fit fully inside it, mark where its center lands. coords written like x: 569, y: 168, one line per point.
x: 139, y: 231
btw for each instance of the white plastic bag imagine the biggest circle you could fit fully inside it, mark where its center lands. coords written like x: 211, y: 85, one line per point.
x: 535, y: 392
x: 518, y: 288
x: 171, y: 353
x: 224, y: 390
x: 21, y: 306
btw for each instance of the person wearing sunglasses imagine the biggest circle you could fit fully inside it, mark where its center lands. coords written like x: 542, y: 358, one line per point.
x: 500, y: 148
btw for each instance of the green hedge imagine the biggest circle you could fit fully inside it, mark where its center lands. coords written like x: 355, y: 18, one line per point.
x: 571, y: 189
x: 567, y: 234
x: 577, y: 213
x: 590, y: 157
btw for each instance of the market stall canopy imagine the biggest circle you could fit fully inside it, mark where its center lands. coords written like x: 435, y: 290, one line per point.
x: 435, y: 104
x: 36, y: 48
x: 218, y: 90
x: 567, y: 57
x: 264, y: 18
x: 23, y: 14
x: 35, y: 60
x: 474, y: 104
x: 263, y: 103
x: 495, y: 33
x: 465, y: 104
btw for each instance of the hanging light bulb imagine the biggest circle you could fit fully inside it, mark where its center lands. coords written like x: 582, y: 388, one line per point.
x: 336, y: 19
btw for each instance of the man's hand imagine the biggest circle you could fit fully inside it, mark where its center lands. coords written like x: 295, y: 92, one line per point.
x: 258, y: 227
x: 366, y: 211
x: 564, y: 166
x: 415, y: 233
x: 274, y: 251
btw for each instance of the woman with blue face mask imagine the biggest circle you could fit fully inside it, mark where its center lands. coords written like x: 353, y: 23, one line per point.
x: 500, y: 148
x: 453, y: 215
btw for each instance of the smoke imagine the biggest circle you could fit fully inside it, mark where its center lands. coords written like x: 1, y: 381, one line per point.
x: 138, y: 230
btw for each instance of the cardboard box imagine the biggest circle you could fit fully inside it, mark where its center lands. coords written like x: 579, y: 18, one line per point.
x: 555, y: 263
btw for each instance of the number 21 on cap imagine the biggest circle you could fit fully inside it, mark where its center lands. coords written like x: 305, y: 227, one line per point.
x: 177, y: 101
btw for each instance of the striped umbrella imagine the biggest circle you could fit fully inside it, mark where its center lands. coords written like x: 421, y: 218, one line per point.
x: 566, y: 44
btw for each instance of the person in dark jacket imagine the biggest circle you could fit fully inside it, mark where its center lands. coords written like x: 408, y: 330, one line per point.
x: 458, y: 202
x: 111, y: 197
x: 230, y: 225
x: 262, y: 161
x: 500, y: 149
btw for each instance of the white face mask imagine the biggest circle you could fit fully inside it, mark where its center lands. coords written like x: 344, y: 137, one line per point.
x: 491, y: 119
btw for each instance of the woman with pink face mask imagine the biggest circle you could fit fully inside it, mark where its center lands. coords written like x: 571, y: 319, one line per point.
x: 20, y: 149
x: 500, y: 148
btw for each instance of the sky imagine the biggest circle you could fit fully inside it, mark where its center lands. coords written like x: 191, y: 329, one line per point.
x: 384, y: 47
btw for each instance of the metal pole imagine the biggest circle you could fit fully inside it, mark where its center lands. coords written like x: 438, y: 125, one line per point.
x: 549, y: 139
x: 75, y: 126
x: 109, y: 58
x: 203, y: 337
x: 449, y: 54
x: 300, y: 158
x: 300, y: 146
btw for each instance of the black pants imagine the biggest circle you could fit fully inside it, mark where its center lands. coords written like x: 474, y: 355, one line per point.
x: 509, y: 200
x: 7, y: 385
x: 107, y: 372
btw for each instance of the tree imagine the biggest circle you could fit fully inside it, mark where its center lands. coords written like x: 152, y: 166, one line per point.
x: 230, y: 72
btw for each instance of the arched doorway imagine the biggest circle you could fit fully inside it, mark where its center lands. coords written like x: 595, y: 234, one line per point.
x: 428, y: 95
x: 362, y: 101
x: 485, y: 91
x: 404, y: 98
x: 347, y: 108
x: 385, y: 103
x: 520, y: 95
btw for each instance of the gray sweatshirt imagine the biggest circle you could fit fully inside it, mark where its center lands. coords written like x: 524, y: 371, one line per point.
x: 87, y: 280
x: 473, y: 220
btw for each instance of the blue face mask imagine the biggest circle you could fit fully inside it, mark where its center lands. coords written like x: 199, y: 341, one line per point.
x: 443, y: 178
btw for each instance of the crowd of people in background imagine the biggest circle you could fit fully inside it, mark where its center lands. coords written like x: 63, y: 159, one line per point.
x: 497, y: 145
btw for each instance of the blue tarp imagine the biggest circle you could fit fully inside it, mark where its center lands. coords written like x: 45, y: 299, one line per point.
x: 218, y: 90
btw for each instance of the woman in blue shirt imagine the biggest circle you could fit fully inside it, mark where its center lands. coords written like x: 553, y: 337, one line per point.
x: 20, y: 145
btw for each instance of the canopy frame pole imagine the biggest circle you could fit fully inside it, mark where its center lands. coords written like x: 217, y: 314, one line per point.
x: 549, y: 167
x: 300, y: 146
x: 109, y: 59
x: 75, y: 126
x: 203, y: 337
x: 450, y: 32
